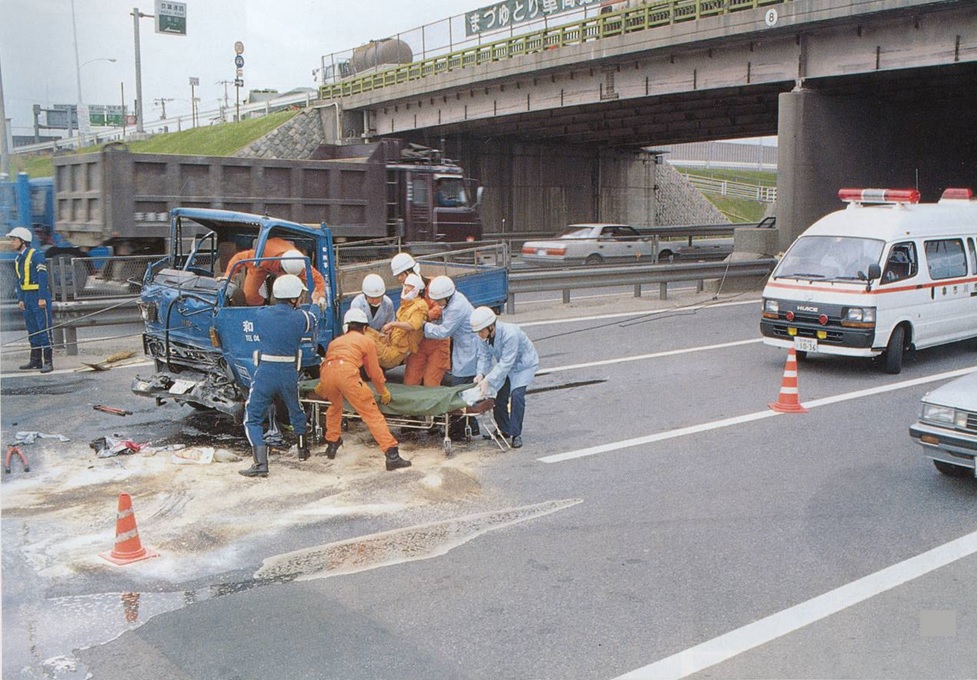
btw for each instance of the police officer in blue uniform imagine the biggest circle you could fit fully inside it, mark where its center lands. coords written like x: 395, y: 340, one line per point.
x: 33, y: 298
x: 280, y: 329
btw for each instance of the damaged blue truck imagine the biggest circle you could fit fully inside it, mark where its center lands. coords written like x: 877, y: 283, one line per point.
x: 202, y: 337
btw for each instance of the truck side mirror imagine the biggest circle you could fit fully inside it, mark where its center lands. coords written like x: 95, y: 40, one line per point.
x: 874, y: 271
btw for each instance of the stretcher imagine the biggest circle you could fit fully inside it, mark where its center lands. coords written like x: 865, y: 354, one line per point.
x: 411, y: 407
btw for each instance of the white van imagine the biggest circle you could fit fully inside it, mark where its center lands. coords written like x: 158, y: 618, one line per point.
x: 884, y: 276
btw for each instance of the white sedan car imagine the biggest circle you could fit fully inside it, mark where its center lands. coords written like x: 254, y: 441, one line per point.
x: 591, y: 244
x: 947, y: 427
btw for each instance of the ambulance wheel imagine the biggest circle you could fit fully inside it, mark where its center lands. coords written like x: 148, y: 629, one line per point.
x: 894, y: 351
x: 345, y: 425
x: 952, y: 470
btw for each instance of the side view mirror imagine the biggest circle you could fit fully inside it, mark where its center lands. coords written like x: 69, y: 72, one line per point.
x: 874, y: 272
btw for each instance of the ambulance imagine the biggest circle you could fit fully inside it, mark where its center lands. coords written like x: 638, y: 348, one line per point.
x: 883, y: 277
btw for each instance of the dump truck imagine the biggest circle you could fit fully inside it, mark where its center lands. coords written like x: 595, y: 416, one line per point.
x: 202, y: 337
x: 382, y: 189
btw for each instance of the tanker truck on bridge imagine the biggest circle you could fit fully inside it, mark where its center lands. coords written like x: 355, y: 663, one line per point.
x: 376, y: 190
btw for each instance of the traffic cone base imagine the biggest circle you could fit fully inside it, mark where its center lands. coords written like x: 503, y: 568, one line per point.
x: 128, y: 548
x: 787, y: 401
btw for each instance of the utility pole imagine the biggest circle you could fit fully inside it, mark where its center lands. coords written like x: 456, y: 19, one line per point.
x: 162, y: 102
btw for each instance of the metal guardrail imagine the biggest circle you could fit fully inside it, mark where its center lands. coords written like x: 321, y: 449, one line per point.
x: 652, y: 15
x: 71, y: 315
x: 568, y: 279
x: 723, y: 187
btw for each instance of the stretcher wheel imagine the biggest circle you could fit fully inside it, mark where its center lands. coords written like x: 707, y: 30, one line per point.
x: 447, y: 447
x: 345, y: 424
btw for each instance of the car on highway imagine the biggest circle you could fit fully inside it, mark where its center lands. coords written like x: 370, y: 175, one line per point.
x: 592, y: 244
x: 947, y: 427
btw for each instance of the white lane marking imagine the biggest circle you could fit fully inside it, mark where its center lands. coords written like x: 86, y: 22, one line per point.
x: 725, y: 647
x: 650, y: 312
x: 641, y: 357
x: 759, y: 415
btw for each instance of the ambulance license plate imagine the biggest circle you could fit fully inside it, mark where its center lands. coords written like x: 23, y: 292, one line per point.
x: 181, y: 386
x: 805, y: 344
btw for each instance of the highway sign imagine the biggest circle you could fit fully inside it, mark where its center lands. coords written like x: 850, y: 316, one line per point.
x: 171, y: 17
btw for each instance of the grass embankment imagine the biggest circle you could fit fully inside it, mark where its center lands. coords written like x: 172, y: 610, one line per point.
x: 737, y: 210
x: 214, y: 140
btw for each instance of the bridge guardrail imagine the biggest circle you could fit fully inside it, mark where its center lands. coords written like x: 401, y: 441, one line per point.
x: 652, y: 15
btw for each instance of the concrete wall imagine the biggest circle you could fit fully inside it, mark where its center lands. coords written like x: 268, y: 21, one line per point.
x: 829, y: 142
x: 295, y: 139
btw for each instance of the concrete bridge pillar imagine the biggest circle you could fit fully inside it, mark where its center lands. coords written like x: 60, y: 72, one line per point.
x: 869, y: 139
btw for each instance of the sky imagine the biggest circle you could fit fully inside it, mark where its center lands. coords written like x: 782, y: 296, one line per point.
x: 284, y: 41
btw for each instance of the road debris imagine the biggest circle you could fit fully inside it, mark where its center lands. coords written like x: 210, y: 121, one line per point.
x: 112, y: 409
x: 30, y: 437
x: 11, y: 450
x: 114, y: 445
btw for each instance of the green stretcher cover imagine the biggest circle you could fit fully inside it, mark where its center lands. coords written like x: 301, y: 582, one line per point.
x: 407, y: 400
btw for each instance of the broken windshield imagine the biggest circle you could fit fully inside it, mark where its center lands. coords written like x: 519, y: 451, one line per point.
x: 830, y: 257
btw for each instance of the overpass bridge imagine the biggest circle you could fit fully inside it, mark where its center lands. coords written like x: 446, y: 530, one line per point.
x: 858, y: 92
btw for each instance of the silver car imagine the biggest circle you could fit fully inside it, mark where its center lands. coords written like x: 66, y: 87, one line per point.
x: 591, y: 244
x: 947, y: 427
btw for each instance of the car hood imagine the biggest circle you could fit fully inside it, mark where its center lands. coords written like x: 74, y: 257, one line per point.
x: 960, y: 393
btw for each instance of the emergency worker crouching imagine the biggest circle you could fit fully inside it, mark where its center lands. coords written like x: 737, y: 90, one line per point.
x: 339, y: 379
x: 280, y: 329
x: 256, y: 273
x: 507, y: 362
x: 33, y: 299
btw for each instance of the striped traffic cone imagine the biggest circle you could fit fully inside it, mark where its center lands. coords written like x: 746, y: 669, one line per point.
x: 788, y: 402
x: 128, y: 548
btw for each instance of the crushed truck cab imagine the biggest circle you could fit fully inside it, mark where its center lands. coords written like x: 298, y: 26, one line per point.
x: 201, y: 333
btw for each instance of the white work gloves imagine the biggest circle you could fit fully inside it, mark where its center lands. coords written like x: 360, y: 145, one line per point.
x: 481, y: 382
x: 320, y: 302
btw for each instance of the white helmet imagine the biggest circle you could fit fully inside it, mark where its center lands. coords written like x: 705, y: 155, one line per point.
x: 374, y: 286
x: 355, y: 315
x: 293, y: 262
x: 287, y: 287
x: 416, y: 281
x: 442, y: 287
x: 401, y: 262
x: 22, y: 233
x: 482, y: 317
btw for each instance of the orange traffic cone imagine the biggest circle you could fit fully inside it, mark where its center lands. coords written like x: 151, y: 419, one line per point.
x: 128, y: 548
x: 788, y: 402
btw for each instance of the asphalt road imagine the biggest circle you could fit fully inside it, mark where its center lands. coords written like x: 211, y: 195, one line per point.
x: 660, y: 521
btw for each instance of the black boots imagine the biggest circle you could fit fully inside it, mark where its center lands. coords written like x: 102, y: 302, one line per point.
x: 48, y: 364
x: 35, y: 361
x: 332, y: 448
x: 303, y: 447
x: 260, y: 467
x: 394, y: 461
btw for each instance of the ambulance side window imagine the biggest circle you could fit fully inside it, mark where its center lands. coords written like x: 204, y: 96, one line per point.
x: 902, y: 263
x: 946, y: 258
x: 973, y: 255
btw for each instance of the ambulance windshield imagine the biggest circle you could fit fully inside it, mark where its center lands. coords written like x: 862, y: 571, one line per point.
x: 830, y: 257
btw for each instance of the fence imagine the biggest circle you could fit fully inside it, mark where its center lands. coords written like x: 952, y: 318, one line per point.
x: 752, y: 192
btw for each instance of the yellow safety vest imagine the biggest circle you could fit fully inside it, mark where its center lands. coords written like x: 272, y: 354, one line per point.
x: 24, y: 278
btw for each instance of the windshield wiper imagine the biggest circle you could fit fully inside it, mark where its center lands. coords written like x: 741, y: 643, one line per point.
x: 799, y: 275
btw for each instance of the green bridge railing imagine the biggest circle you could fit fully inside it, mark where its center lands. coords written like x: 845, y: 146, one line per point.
x: 643, y: 18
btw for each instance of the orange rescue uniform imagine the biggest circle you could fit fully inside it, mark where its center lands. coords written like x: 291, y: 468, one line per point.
x: 432, y: 359
x: 339, y: 378
x: 257, y: 272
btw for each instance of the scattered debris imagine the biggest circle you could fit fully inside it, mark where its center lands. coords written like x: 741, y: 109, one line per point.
x: 107, y: 363
x: 114, y: 445
x: 111, y: 409
x: 11, y: 450
x: 31, y: 437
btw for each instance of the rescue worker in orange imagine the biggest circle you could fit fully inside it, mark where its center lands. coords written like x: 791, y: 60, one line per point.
x: 432, y: 359
x: 256, y: 273
x: 339, y: 379
x: 402, y: 336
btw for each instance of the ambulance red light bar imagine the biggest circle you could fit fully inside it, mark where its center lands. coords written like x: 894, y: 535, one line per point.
x: 957, y: 194
x: 879, y: 195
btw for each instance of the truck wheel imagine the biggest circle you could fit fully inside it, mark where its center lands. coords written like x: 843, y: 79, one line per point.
x: 952, y: 470
x: 594, y: 259
x: 894, y: 350
x: 666, y: 256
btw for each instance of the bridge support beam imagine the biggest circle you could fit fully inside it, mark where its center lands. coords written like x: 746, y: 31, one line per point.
x: 869, y: 139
